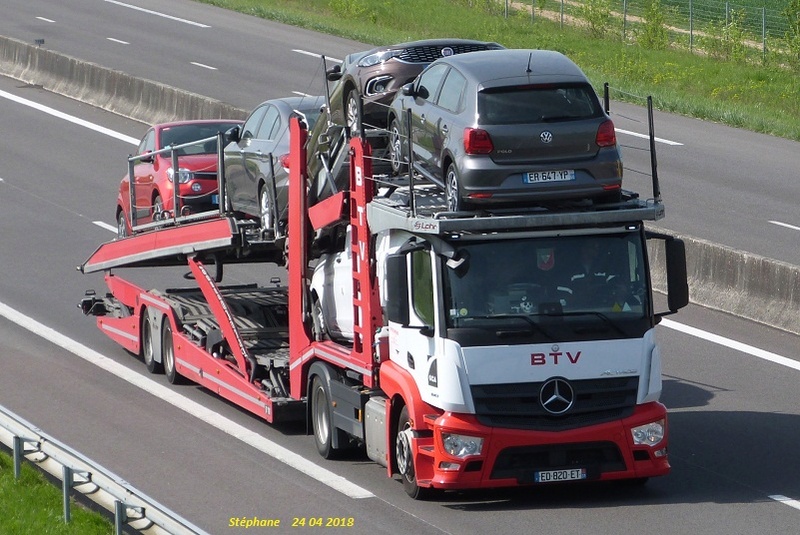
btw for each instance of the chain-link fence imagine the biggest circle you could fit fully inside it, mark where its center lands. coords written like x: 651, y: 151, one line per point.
x: 724, y: 30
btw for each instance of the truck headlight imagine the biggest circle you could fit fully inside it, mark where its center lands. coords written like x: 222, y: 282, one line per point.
x: 462, y: 445
x: 648, y: 434
x: 184, y: 175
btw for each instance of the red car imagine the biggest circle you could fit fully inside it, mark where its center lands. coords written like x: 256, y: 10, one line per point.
x: 154, y: 177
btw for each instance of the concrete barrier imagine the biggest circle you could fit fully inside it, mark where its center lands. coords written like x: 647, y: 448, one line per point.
x: 722, y: 278
x: 135, y: 98
x: 740, y: 283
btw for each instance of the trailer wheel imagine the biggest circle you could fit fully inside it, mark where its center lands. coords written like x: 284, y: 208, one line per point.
x: 321, y: 418
x: 148, y: 349
x: 404, y: 457
x: 168, y: 354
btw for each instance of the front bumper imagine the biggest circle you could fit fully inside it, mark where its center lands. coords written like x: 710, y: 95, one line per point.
x: 511, y: 457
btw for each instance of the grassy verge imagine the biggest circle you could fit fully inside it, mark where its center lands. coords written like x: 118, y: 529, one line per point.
x: 33, y: 506
x: 760, y: 97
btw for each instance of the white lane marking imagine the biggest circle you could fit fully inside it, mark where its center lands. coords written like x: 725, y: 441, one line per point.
x: 733, y: 344
x: 301, y: 94
x: 70, y: 118
x: 786, y: 501
x: 190, y: 407
x: 787, y: 225
x: 118, y: 41
x: 158, y: 14
x: 106, y: 226
x: 44, y: 19
x: 646, y: 136
x: 314, y: 54
x: 209, y: 67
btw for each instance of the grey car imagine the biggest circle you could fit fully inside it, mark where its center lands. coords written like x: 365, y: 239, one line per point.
x: 377, y: 74
x: 506, y: 127
x: 257, y: 159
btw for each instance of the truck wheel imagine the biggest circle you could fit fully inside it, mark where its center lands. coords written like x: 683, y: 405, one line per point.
x: 168, y: 354
x: 148, y: 349
x: 404, y: 457
x: 321, y: 418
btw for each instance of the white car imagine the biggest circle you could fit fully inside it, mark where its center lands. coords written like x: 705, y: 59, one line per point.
x: 332, y: 293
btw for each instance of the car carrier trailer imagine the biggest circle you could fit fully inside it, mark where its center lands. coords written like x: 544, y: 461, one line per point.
x: 445, y: 382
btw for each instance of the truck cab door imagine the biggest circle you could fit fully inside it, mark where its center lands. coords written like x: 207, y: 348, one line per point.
x: 414, y: 311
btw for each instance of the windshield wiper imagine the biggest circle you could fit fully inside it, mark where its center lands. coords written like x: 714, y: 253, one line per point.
x: 606, y: 320
x: 510, y: 333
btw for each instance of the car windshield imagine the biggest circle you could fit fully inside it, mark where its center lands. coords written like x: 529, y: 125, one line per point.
x: 181, y: 134
x: 537, y: 103
x: 565, y: 287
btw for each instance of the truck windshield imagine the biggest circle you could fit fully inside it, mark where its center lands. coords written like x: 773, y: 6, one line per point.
x: 565, y: 288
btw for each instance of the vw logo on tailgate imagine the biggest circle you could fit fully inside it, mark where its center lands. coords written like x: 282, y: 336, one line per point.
x: 556, y: 396
x: 546, y: 136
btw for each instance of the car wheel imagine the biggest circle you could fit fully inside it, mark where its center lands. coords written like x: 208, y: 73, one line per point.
x: 396, y: 156
x: 455, y: 202
x: 122, y: 225
x: 267, y: 208
x: 158, y: 208
x: 352, y: 117
x: 404, y: 457
x: 317, y: 320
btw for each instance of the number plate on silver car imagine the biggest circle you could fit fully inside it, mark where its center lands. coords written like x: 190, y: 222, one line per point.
x: 550, y: 176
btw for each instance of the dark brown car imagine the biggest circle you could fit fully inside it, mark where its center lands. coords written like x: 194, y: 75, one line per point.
x: 377, y: 74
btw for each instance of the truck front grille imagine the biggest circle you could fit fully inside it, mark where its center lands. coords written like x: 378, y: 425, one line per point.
x: 517, y: 405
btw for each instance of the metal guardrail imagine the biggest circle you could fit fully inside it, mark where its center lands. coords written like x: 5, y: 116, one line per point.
x: 78, y: 473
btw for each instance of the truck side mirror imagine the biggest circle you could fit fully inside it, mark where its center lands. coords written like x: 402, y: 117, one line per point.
x: 397, y: 289
x: 677, y: 282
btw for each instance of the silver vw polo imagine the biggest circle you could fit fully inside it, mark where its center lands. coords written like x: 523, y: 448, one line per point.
x: 506, y: 127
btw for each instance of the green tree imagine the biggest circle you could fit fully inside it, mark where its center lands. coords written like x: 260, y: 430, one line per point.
x: 653, y: 34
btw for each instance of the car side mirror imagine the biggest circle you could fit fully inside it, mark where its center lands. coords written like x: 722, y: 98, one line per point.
x: 407, y: 90
x: 334, y: 73
x: 233, y: 134
x: 147, y: 157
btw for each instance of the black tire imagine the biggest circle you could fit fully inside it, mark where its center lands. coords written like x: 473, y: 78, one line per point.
x: 396, y: 157
x: 317, y: 320
x: 122, y: 225
x: 158, y: 208
x: 266, y: 207
x: 455, y: 200
x: 148, y: 347
x: 168, y: 355
x: 404, y: 460
x: 351, y: 113
x: 321, y: 420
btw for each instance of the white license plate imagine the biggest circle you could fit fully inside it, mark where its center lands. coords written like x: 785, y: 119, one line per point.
x: 553, y: 476
x: 563, y: 175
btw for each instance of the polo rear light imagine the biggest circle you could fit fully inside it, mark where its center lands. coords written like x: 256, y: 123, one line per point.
x: 606, y: 137
x: 477, y: 141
